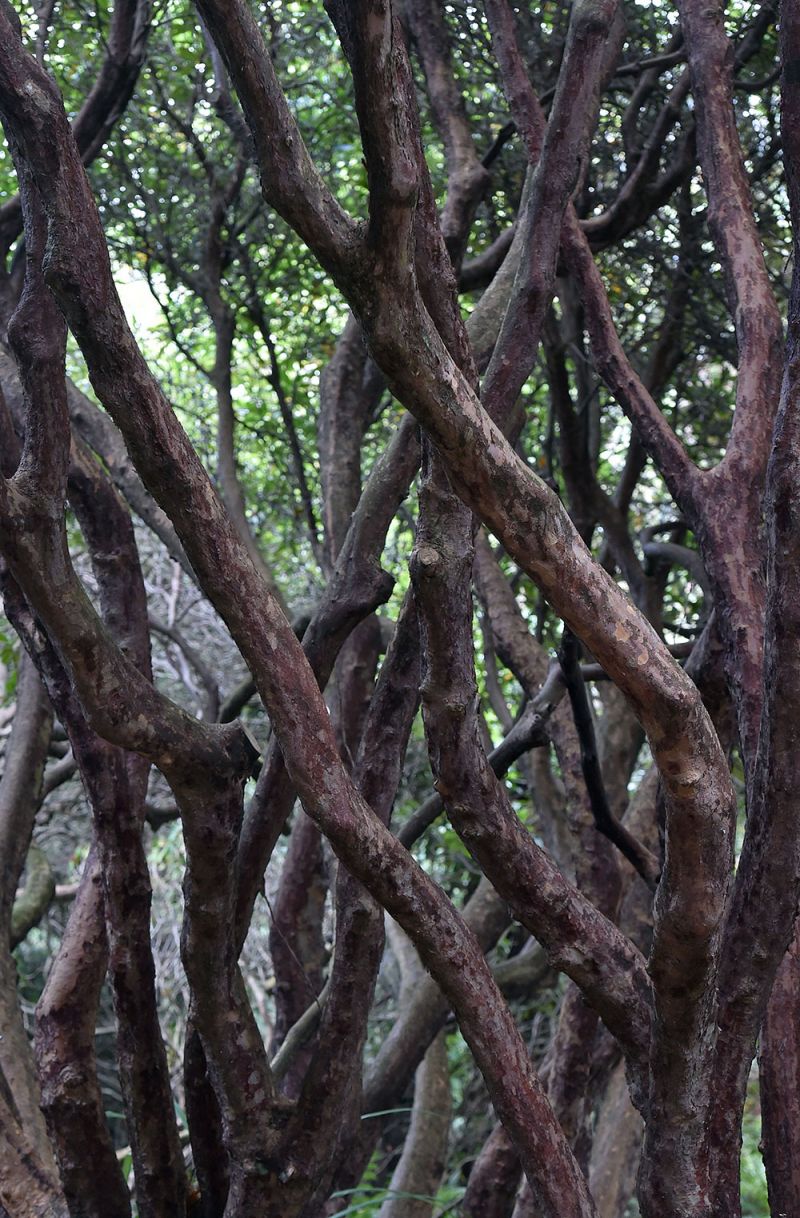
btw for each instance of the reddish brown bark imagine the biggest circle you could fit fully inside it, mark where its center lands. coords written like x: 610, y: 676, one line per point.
x: 115, y: 784
x: 25, y: 1185
x: 755, y: 939
x: 779, y: 1080
x: 418, y: 1175
x: 296, y: 945
x: 688, y: 1024
x: 20, y: 790
x: 65, y: 1024
x: 493, y: 1180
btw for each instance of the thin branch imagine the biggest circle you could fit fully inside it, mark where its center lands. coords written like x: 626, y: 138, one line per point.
x: 197, y: 662
x: 528, y: 732
x: 639, y: 856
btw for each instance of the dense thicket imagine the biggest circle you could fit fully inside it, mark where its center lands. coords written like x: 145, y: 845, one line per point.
x: 399, y: 554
